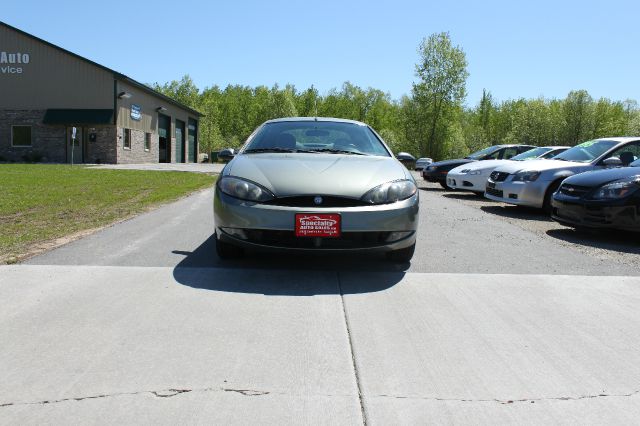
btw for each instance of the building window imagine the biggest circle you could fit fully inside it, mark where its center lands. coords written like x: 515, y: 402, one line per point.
x: 126, y: 138
x: 21, y: 136
x: 147, y: 141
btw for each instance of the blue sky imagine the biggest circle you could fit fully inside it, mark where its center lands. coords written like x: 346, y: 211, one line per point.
x: 514, y: 49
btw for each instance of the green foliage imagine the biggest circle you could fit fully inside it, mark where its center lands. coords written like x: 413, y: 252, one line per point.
x: 431, y: 122
x: 439, y: 93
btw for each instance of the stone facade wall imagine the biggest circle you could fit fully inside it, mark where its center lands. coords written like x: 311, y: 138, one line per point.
x: 48, y: 142
x: 137, y: 153
x: 103, y: 150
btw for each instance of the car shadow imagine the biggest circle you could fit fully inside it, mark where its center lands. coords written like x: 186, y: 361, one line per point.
x: 290, y: 274
x: 433, y: 189
x: 620, y: 241
x: 518, y: 212
x: 465, y: 196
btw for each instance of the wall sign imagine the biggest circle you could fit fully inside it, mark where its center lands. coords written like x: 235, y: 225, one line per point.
x: 11, y: 62
x: 136, y: 112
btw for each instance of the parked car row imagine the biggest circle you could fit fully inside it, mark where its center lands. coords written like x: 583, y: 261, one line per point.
x: 437, y: 172
x: 595, y: 184
x: 473, y: 177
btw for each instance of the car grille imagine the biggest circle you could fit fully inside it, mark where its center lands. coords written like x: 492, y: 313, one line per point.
x: 574, y: 190
x: 309, y: 201
x: 288, y: 239
x: 495, y: 192
x: 498, y: 176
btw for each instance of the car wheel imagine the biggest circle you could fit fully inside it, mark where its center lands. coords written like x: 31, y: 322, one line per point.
x: 403, y: 255
x: 228, y: 251
x: 546, y: 205
x: 444, y: 185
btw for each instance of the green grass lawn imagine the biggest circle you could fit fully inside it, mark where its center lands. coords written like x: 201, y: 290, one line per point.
x: 39, y: 202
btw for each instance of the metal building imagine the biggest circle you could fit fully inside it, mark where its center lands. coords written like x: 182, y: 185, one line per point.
x: 47, y: 91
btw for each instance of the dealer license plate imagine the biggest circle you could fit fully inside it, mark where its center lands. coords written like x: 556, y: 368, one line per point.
x: 325, y: 225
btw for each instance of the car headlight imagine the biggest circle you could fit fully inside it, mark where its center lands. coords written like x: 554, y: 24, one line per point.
x: 616, y: 190
x: 390, y: 192
x: 526, y: 176
x: 432, y: 168
x: 244, y: 190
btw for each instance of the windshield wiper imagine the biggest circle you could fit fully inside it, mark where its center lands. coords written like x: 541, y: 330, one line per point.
x: 260, y: 150
x: 336, y: 151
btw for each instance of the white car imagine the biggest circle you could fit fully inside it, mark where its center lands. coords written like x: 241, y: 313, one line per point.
x: 473, y: 176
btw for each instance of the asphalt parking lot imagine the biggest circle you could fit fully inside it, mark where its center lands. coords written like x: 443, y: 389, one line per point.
x: 501, y: 317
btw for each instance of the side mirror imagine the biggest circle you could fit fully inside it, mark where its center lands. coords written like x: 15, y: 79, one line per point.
x: 407, y: 159
x: 612, y: 162
x: 227, y: 154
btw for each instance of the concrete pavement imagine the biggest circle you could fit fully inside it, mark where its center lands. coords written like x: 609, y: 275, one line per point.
x: 141, y: 323
x: 100, y: 345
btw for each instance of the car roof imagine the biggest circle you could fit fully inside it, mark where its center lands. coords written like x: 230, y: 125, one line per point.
x: 619, y: 139
x: 332, y: 119
x: 555, y: 147
x: 511, y: 144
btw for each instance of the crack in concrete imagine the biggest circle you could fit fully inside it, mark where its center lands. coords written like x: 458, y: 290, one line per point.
x: 168, y: 393
x: 513, y: 401
x: 354, y: 362
x: 164, y: 393
x: 247, y: 392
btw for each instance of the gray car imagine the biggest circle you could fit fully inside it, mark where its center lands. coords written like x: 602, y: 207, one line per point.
x: 316, y: 184
x: 533, y: 183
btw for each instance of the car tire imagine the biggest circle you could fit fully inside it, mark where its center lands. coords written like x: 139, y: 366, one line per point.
x: 403, y: 255
x: 228, y: 251
x: 546, y: 205
x: 444, y: 185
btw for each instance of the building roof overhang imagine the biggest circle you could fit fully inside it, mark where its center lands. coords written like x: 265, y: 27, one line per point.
x: 78, y: 117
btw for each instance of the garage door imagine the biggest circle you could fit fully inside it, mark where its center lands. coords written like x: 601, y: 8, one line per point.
x: 192, y: 140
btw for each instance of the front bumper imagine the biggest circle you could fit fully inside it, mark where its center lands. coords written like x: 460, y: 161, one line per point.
x: 466, y: 182
x: 435, y: 176
x: 518, y: 193
x: 578, y: 213
x: 384, y: 227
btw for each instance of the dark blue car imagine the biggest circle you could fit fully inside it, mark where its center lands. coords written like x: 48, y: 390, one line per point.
x: 600, y: 199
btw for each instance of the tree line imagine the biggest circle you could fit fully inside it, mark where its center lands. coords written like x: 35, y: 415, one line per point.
x: 432, y: 121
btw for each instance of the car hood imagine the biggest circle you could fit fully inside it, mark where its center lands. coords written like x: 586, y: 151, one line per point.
x: 601, y: 177
x: 543, y: 166
x: 317, y: 174
x: 451, y: 163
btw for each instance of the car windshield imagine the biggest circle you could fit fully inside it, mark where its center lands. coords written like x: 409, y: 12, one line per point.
x: 532, y: 153
x: 483, y: 152
x: 586, y: 152
x: 552, y: 153
x: 316, y: 136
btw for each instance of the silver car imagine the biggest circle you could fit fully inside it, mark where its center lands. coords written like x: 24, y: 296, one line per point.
x: 421, y: 163
x: 316, y: 184
x: 533, y: 183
